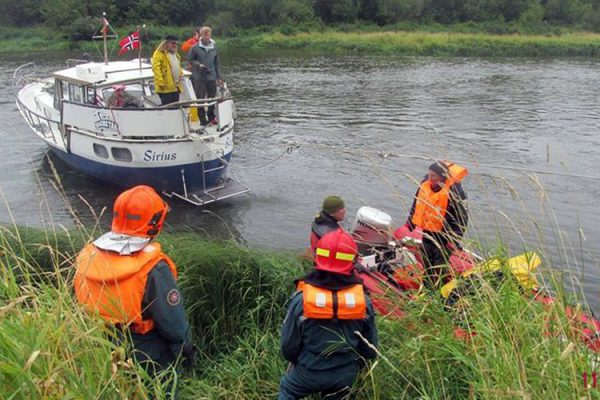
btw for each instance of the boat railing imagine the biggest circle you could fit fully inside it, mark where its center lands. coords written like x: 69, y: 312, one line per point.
x: 72, y: 62
x: 194, y: 103
x: 44, y: 126
x: 26, y: 73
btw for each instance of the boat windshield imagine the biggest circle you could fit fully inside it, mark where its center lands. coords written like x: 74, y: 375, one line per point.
x: 127, y: 95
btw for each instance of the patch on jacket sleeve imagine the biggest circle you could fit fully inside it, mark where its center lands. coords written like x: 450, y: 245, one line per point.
x: 173, y: 297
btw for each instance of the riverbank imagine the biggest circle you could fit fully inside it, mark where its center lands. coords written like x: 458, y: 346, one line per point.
x: 235, y: 298
x: 420, y: 40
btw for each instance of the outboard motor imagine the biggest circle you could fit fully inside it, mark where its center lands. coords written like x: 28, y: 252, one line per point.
x: 372, y: 230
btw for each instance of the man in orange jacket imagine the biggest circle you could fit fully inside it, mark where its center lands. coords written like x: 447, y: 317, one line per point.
x: 191, y: 42
x: 440, y: 210
x: 126, y: 279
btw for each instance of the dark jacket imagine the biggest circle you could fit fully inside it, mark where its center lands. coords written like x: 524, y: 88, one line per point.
x: 208, y: 57
x: 163, y: 304
x: 457, y: 216
x: 323, y: 223
x: 327, y: 344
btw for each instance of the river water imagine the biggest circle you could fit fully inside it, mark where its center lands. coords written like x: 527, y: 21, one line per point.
x: 366, y: 127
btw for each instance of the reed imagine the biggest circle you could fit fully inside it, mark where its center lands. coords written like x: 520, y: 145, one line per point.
x: 434, y: 40
x: 236, y: 299
x: 427, y: 43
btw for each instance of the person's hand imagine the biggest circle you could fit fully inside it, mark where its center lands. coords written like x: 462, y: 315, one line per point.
x: 451, y: 247
x: 189, y: 356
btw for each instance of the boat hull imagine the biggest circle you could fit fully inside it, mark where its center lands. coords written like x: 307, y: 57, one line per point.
x: 164, y: 178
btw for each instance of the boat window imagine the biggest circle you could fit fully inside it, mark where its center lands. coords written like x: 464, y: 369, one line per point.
x: 121, y: 154
x: 75, y: 93
x: 58, y: 90
x: 90, y: 95
x: 100, y: 150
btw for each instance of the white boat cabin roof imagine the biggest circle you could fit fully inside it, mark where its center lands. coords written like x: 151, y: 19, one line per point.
x: 106, y: 74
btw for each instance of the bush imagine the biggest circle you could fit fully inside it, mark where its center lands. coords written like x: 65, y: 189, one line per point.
x: 82, y: 28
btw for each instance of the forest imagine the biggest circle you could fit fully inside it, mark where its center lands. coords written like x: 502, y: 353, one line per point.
x: 77, y: 18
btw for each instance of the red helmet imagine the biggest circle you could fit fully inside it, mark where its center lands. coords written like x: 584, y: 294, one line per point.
x: 139, y: 211
x: 336, y: 252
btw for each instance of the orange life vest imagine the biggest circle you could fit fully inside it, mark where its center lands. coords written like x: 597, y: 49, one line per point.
x: 113, y: 285
x: 319, y: 303
x: 431, y: 207
x: 188, y: 44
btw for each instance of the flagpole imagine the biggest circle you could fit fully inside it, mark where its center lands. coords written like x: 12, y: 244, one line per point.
x: 140, y: 48
x: 104, y: 21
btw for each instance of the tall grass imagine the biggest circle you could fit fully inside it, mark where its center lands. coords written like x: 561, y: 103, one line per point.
x: 430, y: 40
x: 236, y: 300
x: 428, y: 43
x: 50, y: 348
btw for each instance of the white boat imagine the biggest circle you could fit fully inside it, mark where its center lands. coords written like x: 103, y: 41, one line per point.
x: 139, y: 142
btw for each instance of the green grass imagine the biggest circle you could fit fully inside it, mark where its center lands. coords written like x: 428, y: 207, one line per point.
x: 428, y: 43
x: 236, y: 298
x: 431, y: 40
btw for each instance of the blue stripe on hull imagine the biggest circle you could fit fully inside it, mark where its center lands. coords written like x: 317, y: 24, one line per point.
x: 163, y: 178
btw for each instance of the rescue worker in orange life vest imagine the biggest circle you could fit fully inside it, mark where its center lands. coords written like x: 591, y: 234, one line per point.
x: 319, y: 336
x: 332, y: 213
x: 440, y: 210
x: 127, y: 280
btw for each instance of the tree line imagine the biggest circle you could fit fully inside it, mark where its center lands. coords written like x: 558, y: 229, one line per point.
x: 229, y: 16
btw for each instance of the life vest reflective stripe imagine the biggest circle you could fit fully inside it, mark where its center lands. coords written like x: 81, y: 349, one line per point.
x: 338, y: 255
x: 113, y: 285
x: 344, y: 304
x: 431, y: 207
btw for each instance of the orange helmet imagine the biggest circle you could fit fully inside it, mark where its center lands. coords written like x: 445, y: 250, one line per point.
x: 336, y: 252
x: 139, y: 211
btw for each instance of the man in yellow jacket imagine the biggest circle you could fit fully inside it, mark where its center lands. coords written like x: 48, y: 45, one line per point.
x: 166, y: 66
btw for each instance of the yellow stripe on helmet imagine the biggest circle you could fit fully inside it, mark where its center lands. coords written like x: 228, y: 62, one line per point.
x: 344, y: 256
x: 322, y: 252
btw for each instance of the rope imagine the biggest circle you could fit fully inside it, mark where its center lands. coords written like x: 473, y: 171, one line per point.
x: 288, y: 150
x: 385, y: 155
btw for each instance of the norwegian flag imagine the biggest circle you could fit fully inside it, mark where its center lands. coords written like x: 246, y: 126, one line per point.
x: 129, y: 43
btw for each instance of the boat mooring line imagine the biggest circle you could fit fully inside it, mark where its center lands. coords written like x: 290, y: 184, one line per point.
x: 384, y: 155
x: 288, y: 150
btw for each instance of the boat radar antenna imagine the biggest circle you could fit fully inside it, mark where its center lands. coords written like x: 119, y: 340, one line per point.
x: 105, y: 32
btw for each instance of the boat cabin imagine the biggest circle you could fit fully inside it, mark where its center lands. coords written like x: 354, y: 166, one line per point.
x: 120, y: 84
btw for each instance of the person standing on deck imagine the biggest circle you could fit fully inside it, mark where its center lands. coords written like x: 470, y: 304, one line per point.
x: 206, y: 74
x: 191, y: 42
x: 166, y: 66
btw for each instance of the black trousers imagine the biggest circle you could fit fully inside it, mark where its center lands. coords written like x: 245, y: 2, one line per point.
x: 435, y: 257
x: 205, y: 89
x: 299, y: 382
x: 168, y: 98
